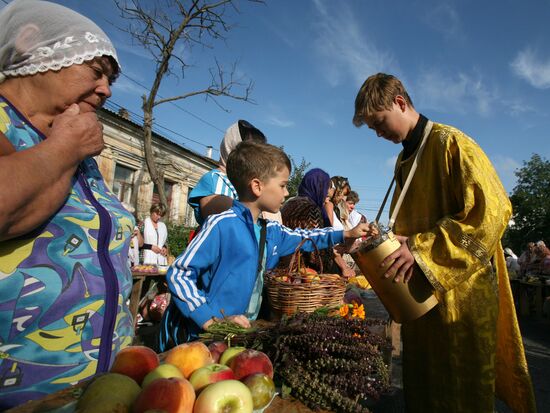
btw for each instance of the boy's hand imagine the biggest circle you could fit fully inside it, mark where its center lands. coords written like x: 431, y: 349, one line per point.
x: 403, y: 266
x: 238, y: 319
x: 361, y: 230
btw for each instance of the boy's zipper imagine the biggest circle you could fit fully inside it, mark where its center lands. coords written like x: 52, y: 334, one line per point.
x: 109, y: 275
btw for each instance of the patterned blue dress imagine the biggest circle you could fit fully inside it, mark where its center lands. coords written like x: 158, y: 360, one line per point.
x: 63, y: 286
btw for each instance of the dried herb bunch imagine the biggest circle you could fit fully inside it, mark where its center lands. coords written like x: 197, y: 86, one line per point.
x: 331, y: 362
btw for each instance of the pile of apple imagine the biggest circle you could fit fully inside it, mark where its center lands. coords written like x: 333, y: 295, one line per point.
x: 193, y: 378
x: 306, y: 275
x: 145, y: 268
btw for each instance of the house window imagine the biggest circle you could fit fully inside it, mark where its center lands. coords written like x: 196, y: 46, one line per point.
x: 167, y: 191
x: 123, y: 184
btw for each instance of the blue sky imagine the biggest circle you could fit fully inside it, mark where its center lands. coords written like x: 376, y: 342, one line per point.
x: 482, y: 66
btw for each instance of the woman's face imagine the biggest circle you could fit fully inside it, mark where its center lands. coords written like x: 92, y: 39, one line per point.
x: 86, y: 84
x: 341, y: 195
x: 155, y: 216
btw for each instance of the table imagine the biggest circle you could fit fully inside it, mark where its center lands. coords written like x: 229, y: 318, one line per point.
x: 531, y: 296
x: 137, y: 289
x: 69, y: 396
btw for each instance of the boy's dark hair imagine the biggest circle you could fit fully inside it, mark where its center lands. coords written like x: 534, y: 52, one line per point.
x: 249, y: 132
x: 251, y: 160
x: 377, y: 93
x: 353, y: 197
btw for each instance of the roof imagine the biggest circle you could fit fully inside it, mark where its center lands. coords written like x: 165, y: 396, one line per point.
x: 105, y: 113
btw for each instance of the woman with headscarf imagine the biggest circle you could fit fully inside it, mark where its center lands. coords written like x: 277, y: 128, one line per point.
x: 308, y: 211
x: 214, y: 193
x: 64, y: 236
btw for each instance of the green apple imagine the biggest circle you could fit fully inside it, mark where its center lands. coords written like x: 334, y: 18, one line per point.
x: 227, y: 396
x: 164, y: 371
x: 262, y: 388
x: 231, y: 352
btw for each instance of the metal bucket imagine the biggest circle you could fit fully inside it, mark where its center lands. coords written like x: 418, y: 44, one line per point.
x: 404, y: 301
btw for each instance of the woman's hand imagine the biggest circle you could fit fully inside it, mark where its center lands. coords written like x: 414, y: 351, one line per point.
x: 403, y: 266
x: 156, y: 249
x: 78, y: 134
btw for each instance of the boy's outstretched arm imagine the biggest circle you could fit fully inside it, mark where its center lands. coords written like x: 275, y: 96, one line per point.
x: 361, y: 230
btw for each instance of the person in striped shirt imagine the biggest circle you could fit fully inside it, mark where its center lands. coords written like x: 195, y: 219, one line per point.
x: 214, y: 192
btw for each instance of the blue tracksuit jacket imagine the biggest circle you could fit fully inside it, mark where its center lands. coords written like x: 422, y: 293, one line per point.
x: 218, y: 269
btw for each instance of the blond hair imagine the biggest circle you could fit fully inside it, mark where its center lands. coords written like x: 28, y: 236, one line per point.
x: 377, y: 93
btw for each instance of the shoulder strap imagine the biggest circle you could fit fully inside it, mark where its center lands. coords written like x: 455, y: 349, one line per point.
x: 263, y: 234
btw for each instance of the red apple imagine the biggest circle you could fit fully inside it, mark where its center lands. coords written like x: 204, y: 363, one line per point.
x: 173, y: 395
x: 135, y: 362
x: 164, y: 371
x: 231, y: 352
x: 262, y: 388
x: 216, y: 349
x: 209, y: 374
x: 249, y: 362
x: 227, y: 396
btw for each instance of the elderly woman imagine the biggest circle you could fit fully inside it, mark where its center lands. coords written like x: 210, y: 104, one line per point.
x: 64, y: 276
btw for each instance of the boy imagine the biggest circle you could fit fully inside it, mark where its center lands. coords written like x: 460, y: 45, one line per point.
x: 220, y: 269
x: 450, y: 224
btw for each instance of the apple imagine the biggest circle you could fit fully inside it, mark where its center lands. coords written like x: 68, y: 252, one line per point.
x: 231, y: 352
x: 209, y: 374
x: 227, y: 396
x: 164, y: 371
x: 308, y: 274
x: 262, y: 388
x: 173, y: 395
x: 249, y: 362
x: 135, y: 362
x: 216, y: 349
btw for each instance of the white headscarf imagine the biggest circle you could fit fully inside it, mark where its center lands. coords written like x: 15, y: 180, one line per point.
x: 230, y: 141
x: 37, y: 36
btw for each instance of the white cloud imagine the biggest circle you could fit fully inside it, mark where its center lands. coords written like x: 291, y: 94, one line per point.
x: 462, y: 92
x: 446, y: 20
x: 530, y: 67
x: 506, y: 167
x: 517, y: 107
x: 279, y: 121
x: 124, y: 85
x: 343, y: 48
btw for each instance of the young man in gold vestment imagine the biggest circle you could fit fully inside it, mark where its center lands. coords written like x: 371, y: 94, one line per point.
x: 468, y: 348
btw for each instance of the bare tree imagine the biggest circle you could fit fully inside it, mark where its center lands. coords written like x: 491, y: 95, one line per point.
x: 161, y: 26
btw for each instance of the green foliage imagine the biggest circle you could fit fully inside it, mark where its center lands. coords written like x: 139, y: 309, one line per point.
x: 298, y: 171
x: 178, y: 236
x: 531, y: 204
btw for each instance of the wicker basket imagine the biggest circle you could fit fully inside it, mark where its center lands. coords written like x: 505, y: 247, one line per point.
x: 302, y: 292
